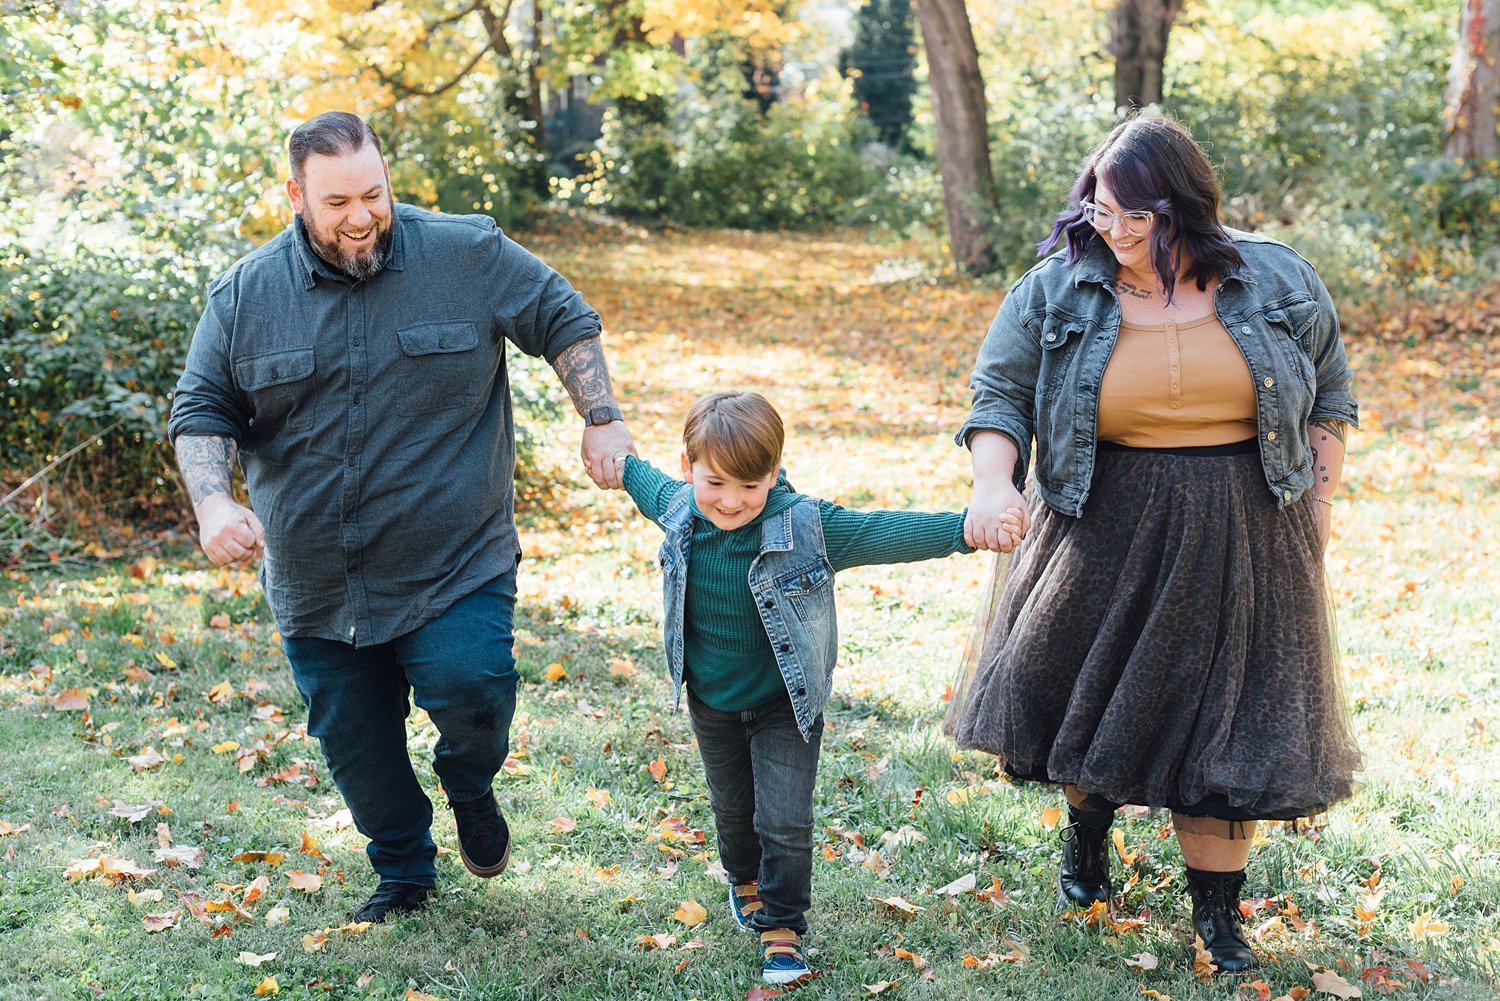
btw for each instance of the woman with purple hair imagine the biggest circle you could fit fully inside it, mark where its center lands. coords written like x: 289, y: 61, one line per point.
x: 1162, y: 636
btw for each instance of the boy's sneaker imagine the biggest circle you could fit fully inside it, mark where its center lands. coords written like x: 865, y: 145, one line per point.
x: 483, y: 835
x: 781, y: 958
x: 743, y: 902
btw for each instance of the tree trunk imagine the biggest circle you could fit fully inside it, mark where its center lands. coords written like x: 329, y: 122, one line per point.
x: 963, y: 139
x: 1474, y: 84
x: 1138, y: 36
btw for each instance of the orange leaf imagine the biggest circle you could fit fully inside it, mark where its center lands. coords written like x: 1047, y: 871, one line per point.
x: 690, y: 913
x: 273, y: 858
x: 307, y: 882
x: 1050, y: 817
x: 70, y: 699
x: 267, y: 986
x: 600, y: 798
x: 658, y: 768
x: 898, y: 904
x: 555, y: 673
x: 916, y: 961
x: 562, y: 825
x: 160, y: 922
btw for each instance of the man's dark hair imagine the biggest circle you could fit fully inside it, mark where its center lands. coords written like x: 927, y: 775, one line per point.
x: 333, y: 133
x: 1151, y: 162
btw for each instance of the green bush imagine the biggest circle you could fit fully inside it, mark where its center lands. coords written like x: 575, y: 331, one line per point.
x: 722, y: 163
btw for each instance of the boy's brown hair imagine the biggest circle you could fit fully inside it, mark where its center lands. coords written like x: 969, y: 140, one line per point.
x: 740, y: 433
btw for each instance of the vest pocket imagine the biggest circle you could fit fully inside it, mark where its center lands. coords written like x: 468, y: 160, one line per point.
x: 808, y: 590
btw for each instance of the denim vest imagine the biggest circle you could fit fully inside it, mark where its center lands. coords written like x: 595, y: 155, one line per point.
x: 792, y: 582
x: 1041, y: 364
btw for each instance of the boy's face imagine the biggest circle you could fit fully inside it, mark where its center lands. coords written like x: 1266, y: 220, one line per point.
x: 727, y: 502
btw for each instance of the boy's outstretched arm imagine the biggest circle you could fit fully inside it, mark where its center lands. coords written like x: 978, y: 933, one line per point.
x: 650, y: 488
x: 868, y: 538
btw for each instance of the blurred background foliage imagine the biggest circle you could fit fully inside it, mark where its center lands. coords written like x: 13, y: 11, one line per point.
x: 142, y: 149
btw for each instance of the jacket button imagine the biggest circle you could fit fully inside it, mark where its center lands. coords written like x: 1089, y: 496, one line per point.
x: 801, y: 691
x: 1052, y: 337
x: 1269, y: 382
x: 1286, y: 495
x: 1245, y: 330
x: 785, y: 647
x: 1270, y: 436
x: 768, y: 603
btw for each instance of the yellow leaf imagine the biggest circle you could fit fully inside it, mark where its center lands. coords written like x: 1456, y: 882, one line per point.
x: 169, y: 664
x: 1157, y: 995
x: 222, y: 692
x: 690, y: 913
x: 880, y: 987
x: 223, y: 746
x: 267, y: 986
x: 1119, y: 840
x: 555, y: 673
x: 899, y: 904
x: 1424, y: 926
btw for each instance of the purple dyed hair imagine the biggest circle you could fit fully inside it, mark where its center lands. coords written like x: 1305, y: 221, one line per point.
x: 1151, y: 163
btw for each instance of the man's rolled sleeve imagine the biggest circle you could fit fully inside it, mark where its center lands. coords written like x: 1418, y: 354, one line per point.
x: 206, y: 402
x: 537, y: 308
x: 1004, y: 384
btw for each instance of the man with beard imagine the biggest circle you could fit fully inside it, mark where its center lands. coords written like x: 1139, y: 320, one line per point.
x: 355, y: 367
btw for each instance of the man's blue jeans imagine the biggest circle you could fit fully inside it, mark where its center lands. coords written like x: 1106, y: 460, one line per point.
x: 761, y: 775
x: 459, y: 668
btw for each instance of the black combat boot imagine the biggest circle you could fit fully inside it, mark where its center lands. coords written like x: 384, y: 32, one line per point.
x: 1217, y: 917
x: 1083, y: 879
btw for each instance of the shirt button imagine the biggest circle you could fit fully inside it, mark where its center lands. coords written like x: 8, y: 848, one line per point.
x: 351, y: 460
x: 356, y: 342
x: 1269, y: 382
x: 1270, y: 436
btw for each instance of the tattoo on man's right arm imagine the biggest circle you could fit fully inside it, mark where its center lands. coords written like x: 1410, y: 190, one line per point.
x: 207, y: 465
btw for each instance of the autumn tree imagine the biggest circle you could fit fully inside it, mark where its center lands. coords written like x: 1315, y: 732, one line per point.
x: 958, y: 111
x: 1474, y: 84
x: 1138, y: 39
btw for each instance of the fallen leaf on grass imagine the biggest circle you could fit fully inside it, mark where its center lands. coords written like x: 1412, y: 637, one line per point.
x: 880, y: 987
x: 690, y: 913
x: 146, y: 760
x: 917, y: 962
x: 143, y: 897
x: 70, y: 700
x: 7, y: 828
x: 962, y: 884
x: 1119, y: 839
x: 412, y: 994
x: 132, y: 811
x: 183, y: 855
x: 1420, y: 971
x: 898, y: 904
x: 600, y: 798
x: 1425, y: 927
x: 555, y: 673
x: 1331, y: 983
x: 1203, y: 964
x: 257, y: 889
x: 307, y: 882
x: 160, y: 922
x: 271, y: 858
x: 224, y: 746
x: 1050, y: 817
x: 622, y: 669
x: 252, y: 959
x: 659, y: 941
x: 1156, y: 995
x: 562, y: 825
x: 759, y: 993
x: 277, y: 915
x: 107, y: 866
x: 1145, y: 961
x: 658, y: 768
x: 267, y: 986
x: 220, y: 693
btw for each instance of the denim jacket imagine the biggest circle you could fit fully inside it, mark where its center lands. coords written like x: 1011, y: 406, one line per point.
x: 1041, y: 364
x: 792, y: 582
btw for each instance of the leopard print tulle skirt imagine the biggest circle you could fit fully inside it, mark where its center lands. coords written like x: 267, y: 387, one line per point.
x: 1171, y: 648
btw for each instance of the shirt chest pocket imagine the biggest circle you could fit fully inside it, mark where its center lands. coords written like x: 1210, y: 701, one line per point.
x: 440, y: 367
x: 281, y: 387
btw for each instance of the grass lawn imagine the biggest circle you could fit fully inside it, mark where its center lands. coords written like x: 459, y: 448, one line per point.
x: 168, y: 831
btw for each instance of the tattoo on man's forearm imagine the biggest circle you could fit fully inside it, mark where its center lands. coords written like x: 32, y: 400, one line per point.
x: 582, y: 369
x: 207, y: 465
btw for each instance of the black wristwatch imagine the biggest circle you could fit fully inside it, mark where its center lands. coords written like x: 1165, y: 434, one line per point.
x: 602, y: 415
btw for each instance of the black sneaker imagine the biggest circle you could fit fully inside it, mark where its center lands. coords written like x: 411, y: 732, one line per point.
x: 393, y: 897
x: 483, y: 835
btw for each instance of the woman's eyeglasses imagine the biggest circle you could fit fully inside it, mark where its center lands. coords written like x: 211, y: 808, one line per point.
x: 1102, y: 219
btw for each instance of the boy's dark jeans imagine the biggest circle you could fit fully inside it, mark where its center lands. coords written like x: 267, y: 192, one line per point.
x: 761, y: 775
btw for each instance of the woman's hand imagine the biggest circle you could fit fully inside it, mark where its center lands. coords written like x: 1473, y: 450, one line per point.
x: 997, y: 519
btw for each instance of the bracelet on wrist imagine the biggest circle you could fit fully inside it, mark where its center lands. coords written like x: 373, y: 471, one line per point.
x: 1320, y: 500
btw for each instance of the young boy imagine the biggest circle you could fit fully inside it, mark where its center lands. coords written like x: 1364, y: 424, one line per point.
x: 750, y: 628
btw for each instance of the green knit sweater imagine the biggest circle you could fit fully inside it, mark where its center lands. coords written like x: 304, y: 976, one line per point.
x: 728, y: 662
